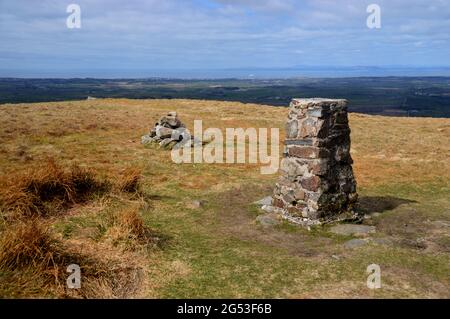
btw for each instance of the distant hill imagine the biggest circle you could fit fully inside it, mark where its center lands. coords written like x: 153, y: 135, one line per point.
x: 395, y: 96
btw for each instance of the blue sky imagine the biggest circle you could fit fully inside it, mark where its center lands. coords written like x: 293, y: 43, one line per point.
x: 215, y: 34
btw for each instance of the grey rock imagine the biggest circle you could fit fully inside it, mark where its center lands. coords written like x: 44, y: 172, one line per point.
x: 180, y: 134
x: 316, y: 112
x: 163, y: 132
x: 170, y: 120
x: 355, y: 243
x: 303, y: 142
x: 292, y: 129
x: 267, y: 220
x: 269, y: 209
x: 288, y: 197
x: 352, y: 230
x: 265, y: 201
x: 292, y: 168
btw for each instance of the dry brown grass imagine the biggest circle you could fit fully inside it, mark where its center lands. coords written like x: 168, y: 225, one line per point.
x: 32, y: 260
x: 129, y: 231
x: 132, y: 223
x: 48, y: 189
x: 129, y: 180
x: 28, y: 244
x: 29, y: 249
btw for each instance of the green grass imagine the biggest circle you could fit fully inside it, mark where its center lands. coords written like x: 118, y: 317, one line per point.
x: 226, y: 266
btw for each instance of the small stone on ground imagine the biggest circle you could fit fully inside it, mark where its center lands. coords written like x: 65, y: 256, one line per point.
x: 266, y: 201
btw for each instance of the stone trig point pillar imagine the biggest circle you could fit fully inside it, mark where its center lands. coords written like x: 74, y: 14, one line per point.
x: 316, y: 184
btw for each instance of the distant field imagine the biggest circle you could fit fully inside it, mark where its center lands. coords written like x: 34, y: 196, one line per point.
x: 393, y: 96
x: 123, y: 211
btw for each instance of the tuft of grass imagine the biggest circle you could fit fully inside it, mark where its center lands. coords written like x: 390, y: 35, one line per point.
x: 32, y: 261
x: 131, y: 221
x: 28, y: 244
x: 49, y: 189
x: 128, y: 229
x: 29, y: 250
x: 129, y: 180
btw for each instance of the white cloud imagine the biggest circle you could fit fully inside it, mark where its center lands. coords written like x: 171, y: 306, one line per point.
x: 222, y: 33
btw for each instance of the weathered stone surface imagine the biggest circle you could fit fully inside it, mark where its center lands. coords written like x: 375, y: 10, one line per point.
x: 265, y: 201
x: 308, y: 152
x: 163, y: 132
x: 277, y: 202
x: 352, y: 230
x: 292, y: 168
x: 296, y: 211
x: 291, y: 129
x: 318, y: 167
x: 311, y: 183
x: 317, y: 183
x: 269, y: 208
x: 170, y: 120
x: 302, y: 142
x: 299, y: 194
x: 342, y: 154
x: 316, y: 112
x: 288, y: 196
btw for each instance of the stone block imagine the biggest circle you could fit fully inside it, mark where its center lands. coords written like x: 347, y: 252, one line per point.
x: 307, y: 152
x: 311, y: 183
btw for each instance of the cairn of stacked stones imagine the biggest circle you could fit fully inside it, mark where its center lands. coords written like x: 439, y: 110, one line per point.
x: 316, y: 184
x: 168, y: 131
